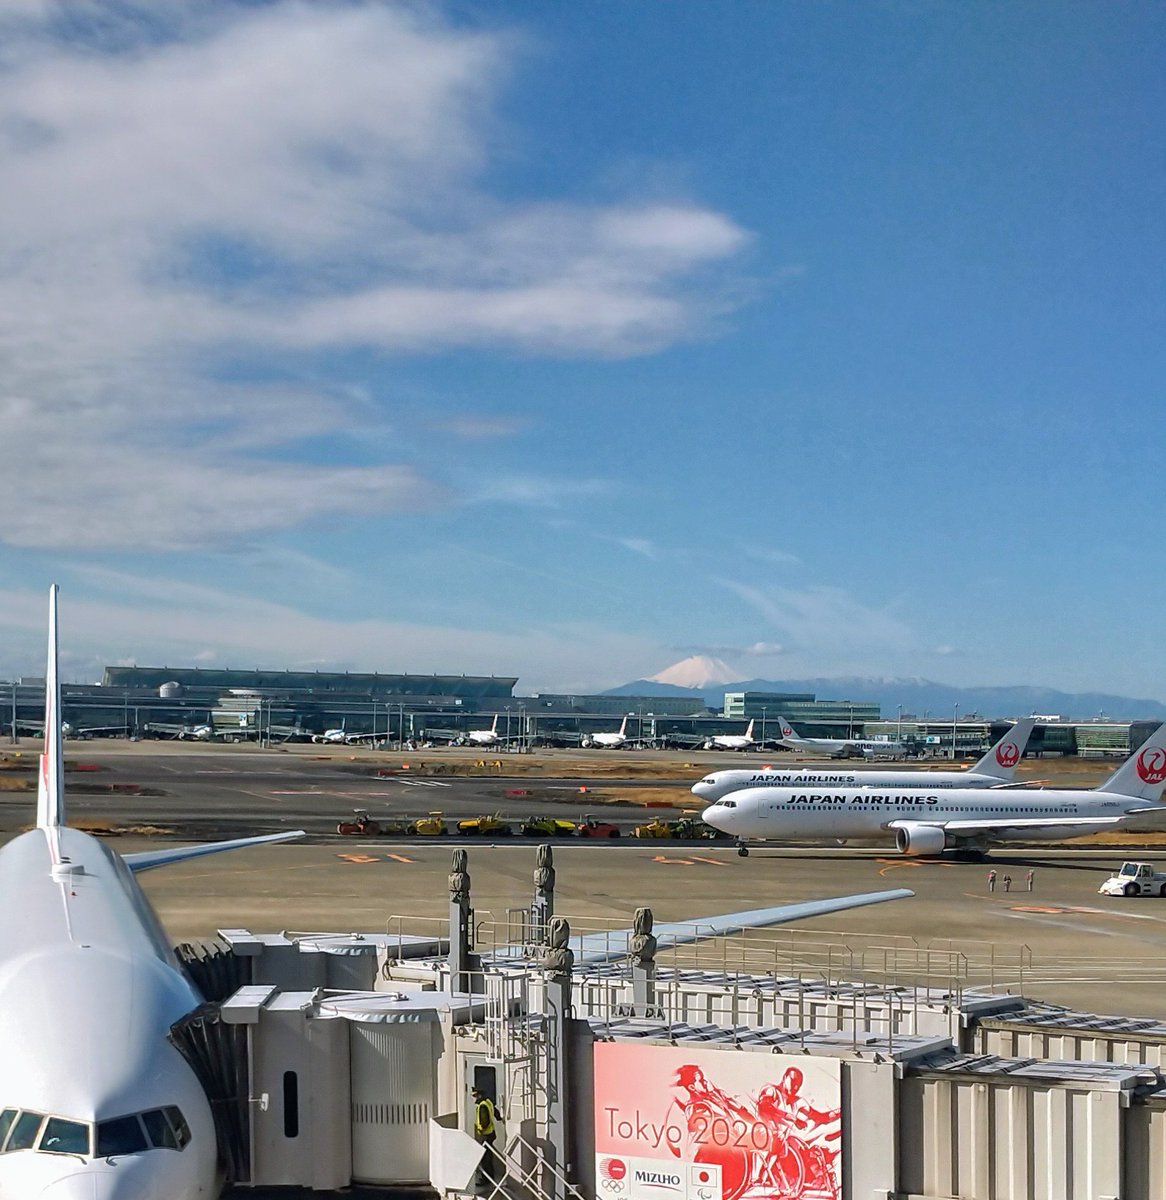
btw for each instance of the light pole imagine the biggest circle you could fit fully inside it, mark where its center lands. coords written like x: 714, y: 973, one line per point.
x: 763, y: 722
x: 850, y: 720
x: 954, y: 717
x: 522, y: 728
x: 15, y: 737
x: 508, y: 725
x: 899, y: 724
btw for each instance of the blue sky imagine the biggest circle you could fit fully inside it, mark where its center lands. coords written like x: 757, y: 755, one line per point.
x: 565, y: 340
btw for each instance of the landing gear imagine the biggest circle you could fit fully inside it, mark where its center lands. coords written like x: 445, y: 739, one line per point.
x: 742, y: 850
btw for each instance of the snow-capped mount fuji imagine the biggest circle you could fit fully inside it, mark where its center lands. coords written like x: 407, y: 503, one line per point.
x: 699, y: 671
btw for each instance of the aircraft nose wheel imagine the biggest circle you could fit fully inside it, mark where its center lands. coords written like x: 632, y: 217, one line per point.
x: 742, y: 851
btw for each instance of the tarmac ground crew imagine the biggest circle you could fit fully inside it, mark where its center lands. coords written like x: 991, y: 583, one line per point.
x: 991, y: 881
x: 485, y: 1133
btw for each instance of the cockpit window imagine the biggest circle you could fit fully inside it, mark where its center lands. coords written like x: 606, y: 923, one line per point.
x: 181, y: 1129
x: 64, y: 1137
x: 24, y: 1131
x: 122, y: 1135
x: 158, y: 1129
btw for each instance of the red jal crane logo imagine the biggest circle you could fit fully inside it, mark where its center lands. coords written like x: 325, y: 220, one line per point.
x: 1152, y: 765
x: 1008, y: 754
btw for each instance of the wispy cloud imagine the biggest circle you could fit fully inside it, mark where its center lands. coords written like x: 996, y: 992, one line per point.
x: 479, y: 427
x: 122, y: 617
x: 773, y: 556
x: 824, y: 619
x: 200, y: 199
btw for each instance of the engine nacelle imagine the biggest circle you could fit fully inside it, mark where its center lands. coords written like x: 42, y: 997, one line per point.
x: 920, y: 839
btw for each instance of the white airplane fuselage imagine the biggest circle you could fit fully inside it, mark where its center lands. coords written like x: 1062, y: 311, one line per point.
x: 89, y: 989
x: 783, y: 812
x: 721, y: 783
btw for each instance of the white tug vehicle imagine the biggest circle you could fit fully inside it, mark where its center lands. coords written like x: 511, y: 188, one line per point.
x: 1135, y: 879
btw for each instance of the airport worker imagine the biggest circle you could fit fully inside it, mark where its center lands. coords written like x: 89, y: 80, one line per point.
x: 1008, y: 883
x: 991, y: 881
x: 1028, y: 877
x: 485, y: 1133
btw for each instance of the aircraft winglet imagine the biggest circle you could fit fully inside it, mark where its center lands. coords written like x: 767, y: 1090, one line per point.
x: 50, y: 794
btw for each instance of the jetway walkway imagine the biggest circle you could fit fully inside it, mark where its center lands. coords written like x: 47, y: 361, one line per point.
x: 333, y: 1064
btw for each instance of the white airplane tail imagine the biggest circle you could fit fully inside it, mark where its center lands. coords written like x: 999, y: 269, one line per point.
x: 1143, y: 774
x: 749, y: 731
x: 623, y: 727
x: 50, y: 794
x: 1002, y: 759
x: 787, y: 733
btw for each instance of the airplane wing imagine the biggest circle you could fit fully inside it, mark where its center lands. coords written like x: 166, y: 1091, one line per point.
x: 594, y: 948
x: 147, y: 860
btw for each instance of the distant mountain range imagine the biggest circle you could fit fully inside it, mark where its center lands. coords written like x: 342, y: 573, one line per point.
x: 917, y: 696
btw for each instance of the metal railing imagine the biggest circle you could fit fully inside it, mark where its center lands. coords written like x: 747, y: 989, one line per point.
x: 527, y: 1174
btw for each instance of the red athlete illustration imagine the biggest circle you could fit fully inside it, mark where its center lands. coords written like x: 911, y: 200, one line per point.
x: 775, y: 1147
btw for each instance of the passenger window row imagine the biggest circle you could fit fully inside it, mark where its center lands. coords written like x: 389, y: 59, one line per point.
x: 157, y: 1129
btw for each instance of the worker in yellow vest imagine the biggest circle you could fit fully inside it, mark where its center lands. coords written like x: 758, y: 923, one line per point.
x: 485, y: 1133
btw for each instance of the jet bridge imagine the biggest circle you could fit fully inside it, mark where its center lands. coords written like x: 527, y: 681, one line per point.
x: 348, y: 1059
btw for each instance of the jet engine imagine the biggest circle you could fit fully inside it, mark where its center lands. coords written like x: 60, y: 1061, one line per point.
x: 920, y: 839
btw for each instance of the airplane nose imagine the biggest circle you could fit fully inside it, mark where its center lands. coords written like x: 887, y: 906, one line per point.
x: 714, y: 816
x: 100, y: 1185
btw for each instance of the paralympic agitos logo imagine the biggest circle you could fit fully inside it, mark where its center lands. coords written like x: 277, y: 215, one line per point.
x: 1008, y: 754
x: 1151, y: 765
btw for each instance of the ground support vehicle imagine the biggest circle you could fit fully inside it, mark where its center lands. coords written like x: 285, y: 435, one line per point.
x: 361, y: 825
x: 653, y: 829
x: 693, y: 830
x: 1135, y: 879
x: 486, y: 826
x: 589, y: 827
x: 431, y: 826
x: 547, y: 827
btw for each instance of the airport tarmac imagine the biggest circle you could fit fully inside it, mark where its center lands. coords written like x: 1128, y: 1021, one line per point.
x: 1061, y: 942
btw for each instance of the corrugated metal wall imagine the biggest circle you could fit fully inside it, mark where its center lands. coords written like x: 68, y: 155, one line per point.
x: 1008, y: 1139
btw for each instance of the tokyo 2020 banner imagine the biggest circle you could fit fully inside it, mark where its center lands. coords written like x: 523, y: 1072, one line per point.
x: 673, y: 1123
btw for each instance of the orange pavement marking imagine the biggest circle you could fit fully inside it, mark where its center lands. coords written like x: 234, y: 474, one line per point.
x: 683, y: 862
x: 357, y: 858
x: 401, y: 858
x: 712, y: 862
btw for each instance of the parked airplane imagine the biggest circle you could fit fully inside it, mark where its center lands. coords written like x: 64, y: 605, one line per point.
x: 732, y: 741
x: 97, y: 1103
x: 607, y: 741
x: 925, y: 821
x: 839, y: 747
x: 195, y: 733
x: 995, y: 769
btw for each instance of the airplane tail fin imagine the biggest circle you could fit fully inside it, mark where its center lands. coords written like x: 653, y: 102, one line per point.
x: 494, y: 727
x: 1002, y: 759
x: 749, y: 731
x: 623, y: 727
x: 787, y: 732
x: 1143, y: 775
x: 50, y: 795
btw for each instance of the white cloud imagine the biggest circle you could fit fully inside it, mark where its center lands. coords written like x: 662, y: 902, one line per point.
x: 642, y: 546
x: 200, y: 193
x: 154, y: 621
x: 825, y: 620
